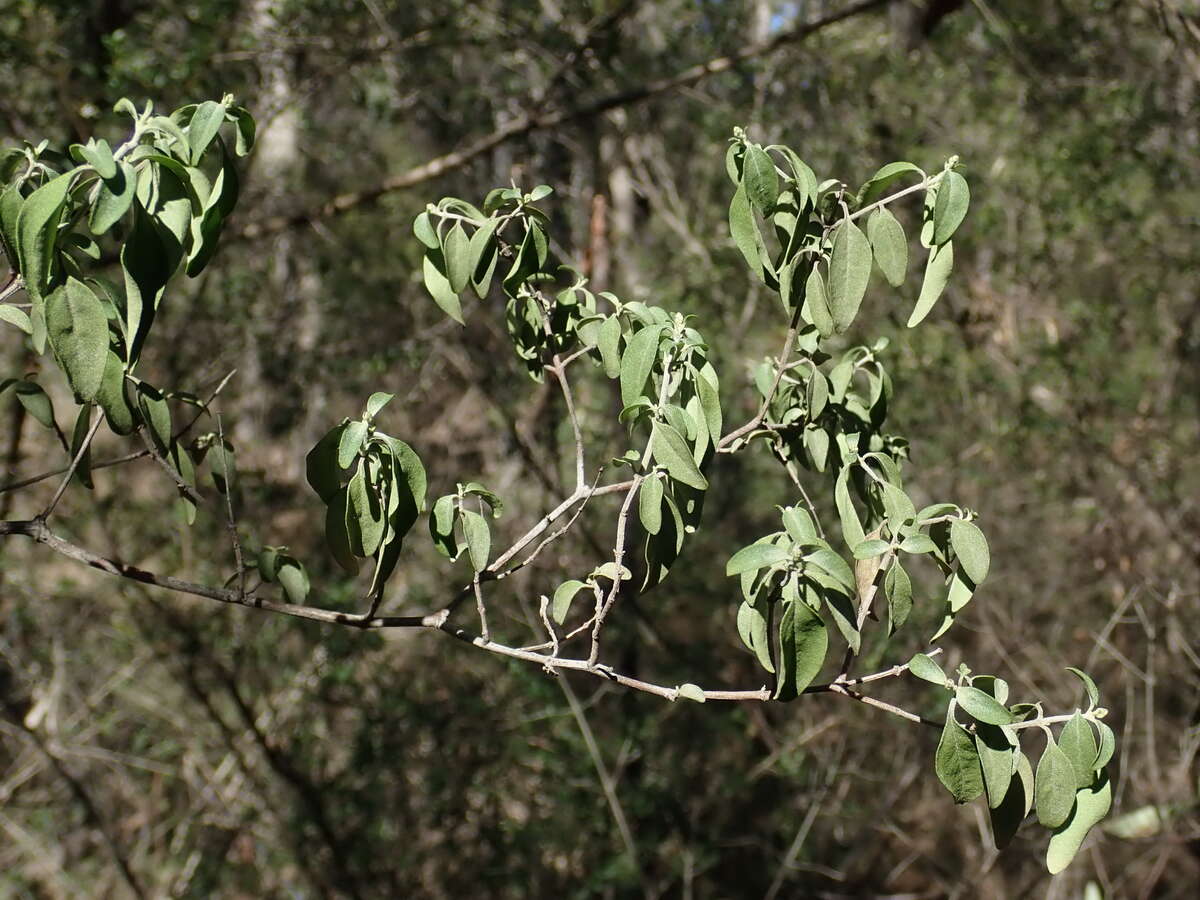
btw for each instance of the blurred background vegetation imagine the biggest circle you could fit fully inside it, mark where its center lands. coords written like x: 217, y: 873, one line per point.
x: 154, y: 743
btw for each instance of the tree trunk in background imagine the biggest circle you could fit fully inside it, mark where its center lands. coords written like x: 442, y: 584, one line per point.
x: 277, y: 354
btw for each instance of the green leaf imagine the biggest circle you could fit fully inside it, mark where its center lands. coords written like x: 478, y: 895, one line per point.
x: 650, y: 496
x: 918, y: 543
x: 957, y: 762
x: 37, y: 226
x: 350, y: 442
x: 897, y: 586
x: 745, y: 232
x: 670, y: 449
x: 982, y: 706
x: 817, y: 301
x: 752, y: 628
x: 83, y: 471
x: 481, y: 251
x: 760, y: 178
x: 889, y: 245
x: 638, y: 362
x: 244, y: 142
x: 268, y: 564
x: 1079, y: 744
x: 1091, y: 805
x: 366, y: 515
x: 478, y: 537
x: 11, y: 202
x: 754, y: 557
x: 425, y: 232
x: 852, y: 530
x: 710, y: 400
x: 183, y: 464
x: 925, y: 668
x: 441, y: 526
x: 799, y: 525
x: 950, y: 208
x: 871, y: 548
x: 36, y: 402
x: 970, y: 546
x: 17, y: 317
x: 156, y: 413
x: 378, y: 401
x: 337, y: 531
x: 458, y: 258
x: 99, y: 156
x: 294, y: 579
x: 997, y: 759
x: 414, y: 473
x: 849, y: 272
x: 883, y: 179
x: 321, y: 464
x: 609, y: 345
x: 1054, y: 786
x: 937, y: 273
x: 803, y: 643
x: 834, y: 565
x: 145, y: 263
x: 206, y: 122
x: 113, y: 199
x: 1018, y: 800
x: 223, y: 466
x: 1093, y: 692
x: 563, y: 595
x: 112, y: 397
x: 439, y: 288
x: 690, y: 691
x: 78, y: 332
x: 1108, y: 745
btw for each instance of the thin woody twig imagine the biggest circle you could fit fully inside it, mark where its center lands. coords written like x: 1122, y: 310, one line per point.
x: 618, y: 561
x: 83, y: 449
x: 230, y: 520
x: 129, y: 457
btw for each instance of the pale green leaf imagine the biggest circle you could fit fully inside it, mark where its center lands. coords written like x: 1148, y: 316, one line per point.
x: 816, y: 301
x: 478, y: 537
x: 671, y: 450
x: 953, y: 198
x: 1079, y: 744
x: 78, y: 331
x: 754, y: 557
x: 970, y: 546
x: 691, y: 692
x: 982, y: 706
x: 849, y: 272
x: 956, y: 762
x: 563, y: 595
x: 650, y: 496
x: 760, y: 178
x: 937, y: 273
x: 1054, y: 786
x: 1091, y: 805
x: 925, y: 668
x: 439, y: 288
x: 889, y: 245
x: 638, y: 362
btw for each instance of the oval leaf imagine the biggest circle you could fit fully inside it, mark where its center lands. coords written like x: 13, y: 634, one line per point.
x: 957, y: 762
x: 889, y: 245
x: 983, y: 707
x: 950, y: 208
x: 937, y: 273
x: 849, y: 271
x: 1054, y: 786
x: 1091, y: 805
x: 478, y: 537
x: 971, y: 548
x: 638, y: 362
x: 670, y: 449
